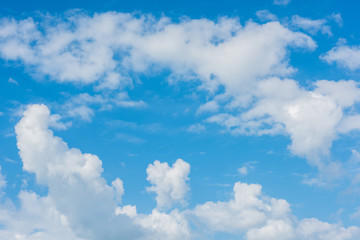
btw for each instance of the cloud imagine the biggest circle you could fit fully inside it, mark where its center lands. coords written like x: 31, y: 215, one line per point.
x: 83, y: 106
x: 169, y: 183
x: 315, y: 229
x: 36, y: 218
x: 260, y: 217
x: 80, y: 204
x: 344, y: 56
x: 337, y: 18
x: 13, y: 81
x: 196, y: 128
x: 163, y: 226
x: 312, y: 26
x: 281, y: 2
x: 246, y: 211
x: 104, y: 49
x: 266, y: 15
x: 211, y: 106
x: 243, y: 171
x: 241, y: 66
x: 76, y: 187
x: 313, y: 119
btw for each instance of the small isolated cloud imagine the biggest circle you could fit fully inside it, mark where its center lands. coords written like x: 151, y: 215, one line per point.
x: 337, y: 18
x: 10, y: 160
x: 13, y: 81
x: 266, y: 15
x: 344, y: 56
x: 243, y: 171
x: 129, y: 138
x: 311, y: 26
x: 196, y: 128
x: 168, y: 183
x: 281, y: 2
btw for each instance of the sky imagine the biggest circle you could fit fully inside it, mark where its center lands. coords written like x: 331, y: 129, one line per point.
x: 179, y: 120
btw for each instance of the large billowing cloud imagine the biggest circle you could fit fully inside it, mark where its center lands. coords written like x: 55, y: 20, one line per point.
x: 74, y: 180
x: 80, y: 204
x: 313, y: 119
x: 103, y: 48
x: 243, y: 67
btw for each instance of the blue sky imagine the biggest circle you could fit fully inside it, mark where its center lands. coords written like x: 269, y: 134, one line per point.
x: 179, y: 120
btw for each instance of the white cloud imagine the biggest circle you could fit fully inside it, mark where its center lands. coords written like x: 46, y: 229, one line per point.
x: 84, y: 105
x: 165, y: 226
x: 312, y: 118
x: 80, y: 204
x: 36, y: 218
x: 118, y: 186
x: 266, y: 15
x: 76, y: 187
x: 13, y: 81
x: 247, y: 210
x: 317, y: 230
x: 243, y: 171
x: 169, y: 183
x: 337, y: 18
x: 261, y: 217
x: 273, y: 230
x: 282, y: 2
x: 344, y: 56
x: 196, y: 128
x: 211, y: 106
x: 104, y: 48
x: 311, y: 26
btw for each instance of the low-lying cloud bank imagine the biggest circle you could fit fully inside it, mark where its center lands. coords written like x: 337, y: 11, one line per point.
x: 80, y: 204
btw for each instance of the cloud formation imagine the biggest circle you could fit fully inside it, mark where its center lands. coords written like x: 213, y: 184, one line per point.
x: 103, y: 48
x: 169, y: 183
x: 240, y: 66
x: 312, y: 26
x: 80, y: 204
x: 344, y: 56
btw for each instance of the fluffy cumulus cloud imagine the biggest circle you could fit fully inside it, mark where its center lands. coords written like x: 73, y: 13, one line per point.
x: 343, y: 55
x: 245, y: 211
x: 80, y: 205
x: 169, y: 183
x: 242, y: 66
x: 312, y: 118
x: 105, y: 48
x: 74, y: 179
x: 256, y: 216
